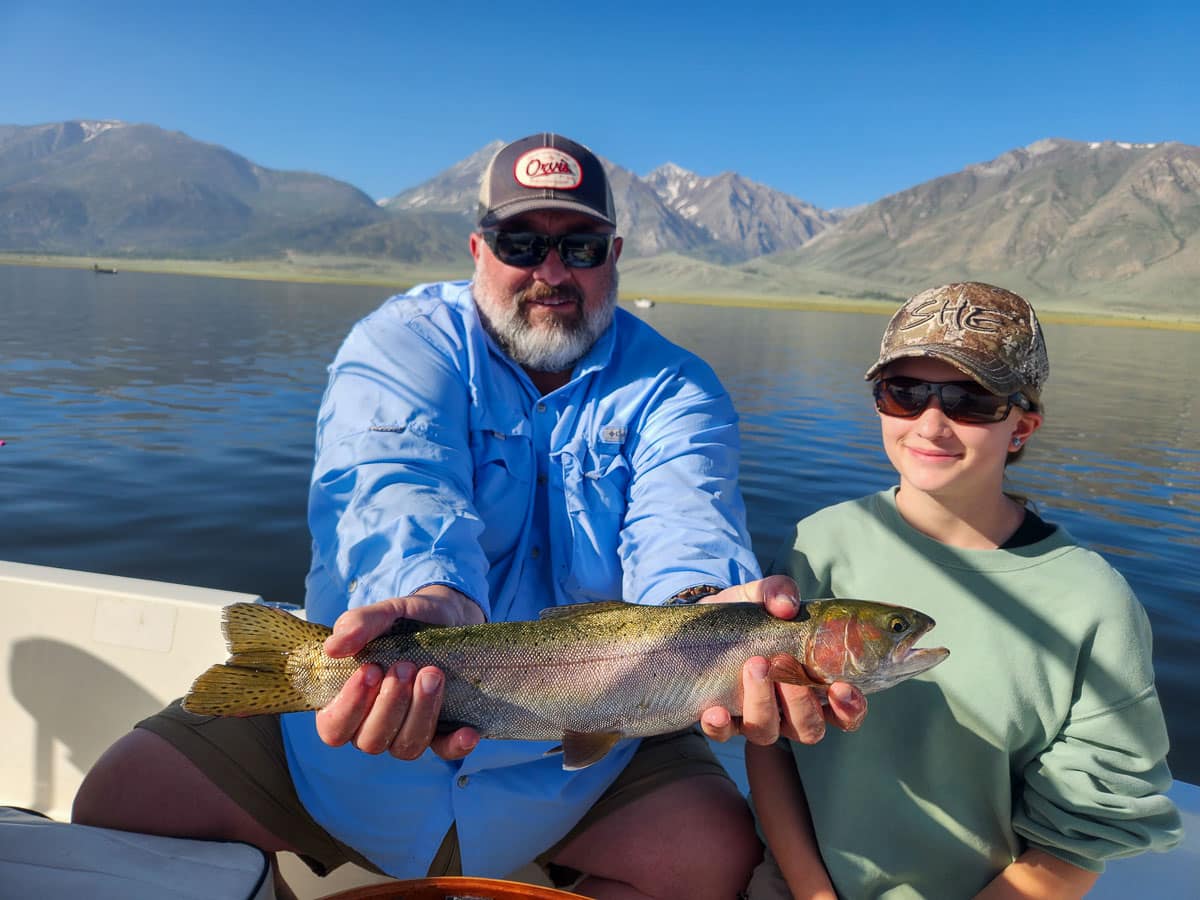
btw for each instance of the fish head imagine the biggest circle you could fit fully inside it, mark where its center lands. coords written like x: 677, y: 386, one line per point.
x: 869, y: 645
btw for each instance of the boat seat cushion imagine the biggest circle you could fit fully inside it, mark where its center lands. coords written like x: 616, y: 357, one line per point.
x: 40, y: 857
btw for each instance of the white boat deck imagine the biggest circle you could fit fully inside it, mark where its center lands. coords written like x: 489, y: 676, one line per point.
x: 85, y: 656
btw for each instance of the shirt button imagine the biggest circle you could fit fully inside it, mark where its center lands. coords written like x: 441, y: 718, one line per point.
x: 353, y: 585
x: 542, y: 479
x: 464, y: 780
x: 541, y: 407
x: 535, y: 552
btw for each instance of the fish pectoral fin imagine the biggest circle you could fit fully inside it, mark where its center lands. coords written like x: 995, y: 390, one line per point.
x: 581, y: 750
x: 786, y: 668
x: 582, y: 609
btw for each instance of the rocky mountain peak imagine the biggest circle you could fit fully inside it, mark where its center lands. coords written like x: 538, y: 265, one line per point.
x: 94, y: 128
x: 456, y: 189
x: 671, y: 181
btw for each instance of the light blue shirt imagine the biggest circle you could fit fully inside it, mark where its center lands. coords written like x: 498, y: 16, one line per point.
x: 438, y: 461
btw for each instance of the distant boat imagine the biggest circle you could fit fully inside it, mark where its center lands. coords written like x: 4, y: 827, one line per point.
x: 101, y: 270
x: 643, y: 303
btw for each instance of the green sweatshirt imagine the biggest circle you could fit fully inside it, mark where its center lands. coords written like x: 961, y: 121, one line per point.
x: 1042, y: 728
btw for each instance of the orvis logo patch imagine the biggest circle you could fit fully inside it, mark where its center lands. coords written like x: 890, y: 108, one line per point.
x: 548, y: 168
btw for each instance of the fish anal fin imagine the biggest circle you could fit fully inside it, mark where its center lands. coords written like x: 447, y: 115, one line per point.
x: 582, y: 609
x: 786, y: 668
x: 581, y: 749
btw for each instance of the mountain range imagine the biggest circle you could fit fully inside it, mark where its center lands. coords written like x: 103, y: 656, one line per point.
x: 1109, y: 226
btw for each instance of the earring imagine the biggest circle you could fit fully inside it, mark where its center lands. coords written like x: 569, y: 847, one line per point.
x: 1016, y: 442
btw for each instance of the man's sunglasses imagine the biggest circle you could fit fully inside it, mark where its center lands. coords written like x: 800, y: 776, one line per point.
x: 962, y: 401
x: 526, y: 249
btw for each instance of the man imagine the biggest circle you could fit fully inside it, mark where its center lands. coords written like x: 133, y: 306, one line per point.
x: 484, y: 451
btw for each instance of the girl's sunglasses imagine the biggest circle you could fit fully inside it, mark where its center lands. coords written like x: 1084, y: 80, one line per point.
x: 526, y: 249
x: 962, y: 401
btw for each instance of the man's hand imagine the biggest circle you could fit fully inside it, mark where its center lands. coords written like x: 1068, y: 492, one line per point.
x: 772, y: 709
x: 395, y: 711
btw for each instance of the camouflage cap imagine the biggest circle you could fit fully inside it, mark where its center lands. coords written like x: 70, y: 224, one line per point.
x: 989, y: 333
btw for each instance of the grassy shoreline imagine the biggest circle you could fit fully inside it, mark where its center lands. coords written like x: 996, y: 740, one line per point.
x: 382, y: 273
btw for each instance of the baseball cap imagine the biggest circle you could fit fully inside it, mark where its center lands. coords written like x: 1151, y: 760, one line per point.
x: 988, y: 333
x: 544, y: 171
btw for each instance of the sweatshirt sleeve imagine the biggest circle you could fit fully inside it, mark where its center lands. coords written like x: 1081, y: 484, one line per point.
x: 1097, y: 791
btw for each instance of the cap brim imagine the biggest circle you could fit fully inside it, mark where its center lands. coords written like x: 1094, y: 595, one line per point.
x: 535, y: 204
x: 996, y: 377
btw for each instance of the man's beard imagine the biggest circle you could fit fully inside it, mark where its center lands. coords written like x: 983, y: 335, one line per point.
x: 549, y: 346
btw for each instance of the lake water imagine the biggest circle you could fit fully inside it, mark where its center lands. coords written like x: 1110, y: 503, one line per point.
x: 161, y: 427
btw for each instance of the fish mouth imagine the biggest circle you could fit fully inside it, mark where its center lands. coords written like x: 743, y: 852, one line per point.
x: 908, y: 660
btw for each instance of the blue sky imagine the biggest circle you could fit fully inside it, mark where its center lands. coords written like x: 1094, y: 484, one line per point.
x: 837, y: 107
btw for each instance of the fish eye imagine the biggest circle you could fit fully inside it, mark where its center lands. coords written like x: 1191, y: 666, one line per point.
x: 897, y: 624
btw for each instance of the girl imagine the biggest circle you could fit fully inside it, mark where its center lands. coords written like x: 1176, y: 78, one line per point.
x: 1037, y: 749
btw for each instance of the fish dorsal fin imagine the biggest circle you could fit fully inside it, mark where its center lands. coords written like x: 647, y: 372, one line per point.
x: 581, y: 749
x: 581, y: 609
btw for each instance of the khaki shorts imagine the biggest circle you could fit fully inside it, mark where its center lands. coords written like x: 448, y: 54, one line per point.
x: 244, y: 757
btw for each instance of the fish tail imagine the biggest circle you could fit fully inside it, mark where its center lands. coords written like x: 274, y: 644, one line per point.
x: 254, y: 680
x: 261, y: 636
x: 233, y: 691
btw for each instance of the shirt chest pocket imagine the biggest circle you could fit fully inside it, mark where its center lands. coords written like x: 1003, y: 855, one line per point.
x: 595, y: 477
x: 596, y: 480
x: 503, y: 476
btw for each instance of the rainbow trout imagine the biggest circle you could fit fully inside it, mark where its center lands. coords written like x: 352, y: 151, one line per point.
x: 587, y: 675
